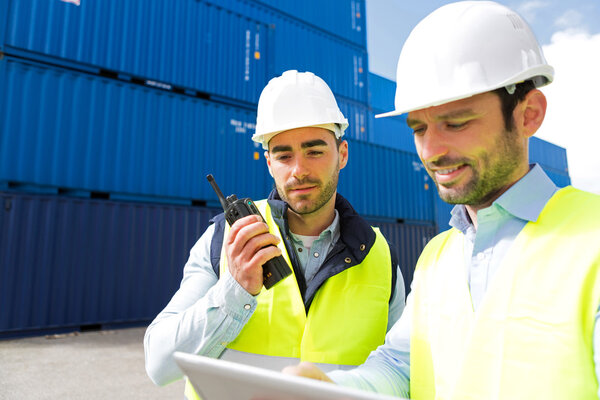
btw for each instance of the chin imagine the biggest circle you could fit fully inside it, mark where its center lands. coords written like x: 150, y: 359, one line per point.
x: 451, y: 196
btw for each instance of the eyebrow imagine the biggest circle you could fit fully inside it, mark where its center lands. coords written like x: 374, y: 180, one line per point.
x: 313, y: 143
x: 458, y: 114
x: 280, y: 149
x: 304, y: 145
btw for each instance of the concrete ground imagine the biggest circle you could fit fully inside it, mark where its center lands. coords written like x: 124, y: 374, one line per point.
x: 93, y: 365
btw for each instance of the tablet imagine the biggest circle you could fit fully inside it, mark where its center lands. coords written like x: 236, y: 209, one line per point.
x: 224, y: 380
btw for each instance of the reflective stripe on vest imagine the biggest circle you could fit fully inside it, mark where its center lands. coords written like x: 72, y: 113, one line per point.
x: 346, y: 321
x: 532, y: 335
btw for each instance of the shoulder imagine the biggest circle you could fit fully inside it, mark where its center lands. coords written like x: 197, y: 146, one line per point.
x: 434, y: 247
x: 572, y: 207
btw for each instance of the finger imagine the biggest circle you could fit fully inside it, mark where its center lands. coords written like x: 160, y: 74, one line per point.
x: 259, y: 241
x: 263, y: 255
x: 240, y: 224
x: 307, y: 370
x: 245, y: 228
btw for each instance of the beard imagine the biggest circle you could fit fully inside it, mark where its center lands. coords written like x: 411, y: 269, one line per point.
x: 490, y: 175
x: 303, y: 204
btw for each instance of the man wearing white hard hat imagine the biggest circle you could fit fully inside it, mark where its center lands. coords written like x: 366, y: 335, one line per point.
x: 346, y: 289
x: 504, y: 305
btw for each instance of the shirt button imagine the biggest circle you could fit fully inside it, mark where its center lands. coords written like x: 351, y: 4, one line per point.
x: 480, y: 256
x: 247, y: 306
x: 316, y: 254
x: 300, y: 249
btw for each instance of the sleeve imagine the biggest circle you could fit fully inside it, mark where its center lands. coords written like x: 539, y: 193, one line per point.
x: 204, y: 315
x: 596, y: 347
x: 397, y: 303
x: 387, y: 369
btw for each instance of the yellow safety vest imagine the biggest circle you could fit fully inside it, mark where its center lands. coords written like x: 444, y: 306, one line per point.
x: 532, y: 335
x: 346, y: 320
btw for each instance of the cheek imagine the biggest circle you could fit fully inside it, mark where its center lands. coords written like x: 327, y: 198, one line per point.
x: 280, y: 173
x: 418, y: 147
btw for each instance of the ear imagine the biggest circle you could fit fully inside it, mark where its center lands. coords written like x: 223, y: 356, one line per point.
x: 343, y: 154
x: 530, y: 113
x: 266, y: 153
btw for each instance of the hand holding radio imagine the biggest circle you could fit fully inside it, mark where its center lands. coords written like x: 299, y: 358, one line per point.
x: 249, y: 244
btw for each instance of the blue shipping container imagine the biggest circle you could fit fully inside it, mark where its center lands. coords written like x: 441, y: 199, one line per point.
x: 389, y: 131
x: 82, y: 132
x: 409, y: 240
x: 548, y: 155
x: 560, y: 179
x: 189, y: 44
x: 226, y: 48
x: 300, y: 46
x: 67, y: 263
x: 77, y: 131
x: 344, y: 18
x: 384, y: 182
x: 382, y: 92
x: 343, y: 67
x: 358, y: 116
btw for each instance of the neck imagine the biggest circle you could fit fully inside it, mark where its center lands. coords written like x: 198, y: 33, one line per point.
x: 314, y: 223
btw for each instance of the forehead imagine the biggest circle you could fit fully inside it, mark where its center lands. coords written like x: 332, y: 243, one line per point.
x: 478, y: 104
x: 302, y: 135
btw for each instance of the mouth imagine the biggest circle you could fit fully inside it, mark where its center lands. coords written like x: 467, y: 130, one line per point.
x: 302, y: 189
x: 444, y: 175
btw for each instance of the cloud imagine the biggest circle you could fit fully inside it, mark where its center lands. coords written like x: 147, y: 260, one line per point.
x: 574, y: 104
x: 529, y: 9
x: 569, y: 20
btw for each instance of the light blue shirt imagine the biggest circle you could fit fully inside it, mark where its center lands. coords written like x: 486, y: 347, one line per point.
x: 312, y: 257
x: 387, y: 369
x: 207, y: 313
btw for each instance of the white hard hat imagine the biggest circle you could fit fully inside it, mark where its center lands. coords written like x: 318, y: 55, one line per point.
x: 296, y: 100
x: 463, y: 49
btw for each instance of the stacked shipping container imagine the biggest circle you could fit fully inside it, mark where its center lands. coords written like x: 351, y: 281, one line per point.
x: 68, y: 263
x: 108, y: 102
x: 115, y: 112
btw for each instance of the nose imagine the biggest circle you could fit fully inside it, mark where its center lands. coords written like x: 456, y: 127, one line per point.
x: 300, y: 168
x: 431, y: 145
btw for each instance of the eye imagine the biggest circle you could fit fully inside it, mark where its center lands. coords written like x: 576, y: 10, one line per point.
x: 282, y: 157
x: 315, y: 153
x: 419, y: 130
x: 456, y: 125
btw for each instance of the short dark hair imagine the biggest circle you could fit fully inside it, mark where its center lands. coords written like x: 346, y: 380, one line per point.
x: 508, y: 101
x: 338, y: 141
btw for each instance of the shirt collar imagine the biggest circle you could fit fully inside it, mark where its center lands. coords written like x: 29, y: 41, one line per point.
x: 524, y: 200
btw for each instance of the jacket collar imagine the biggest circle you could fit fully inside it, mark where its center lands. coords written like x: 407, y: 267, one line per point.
x: 354, y: 230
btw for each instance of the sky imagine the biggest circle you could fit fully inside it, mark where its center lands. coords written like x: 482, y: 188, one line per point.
x: 569, y: 32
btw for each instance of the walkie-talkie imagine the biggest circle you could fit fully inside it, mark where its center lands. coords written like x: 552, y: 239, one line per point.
x: 276, y: 268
